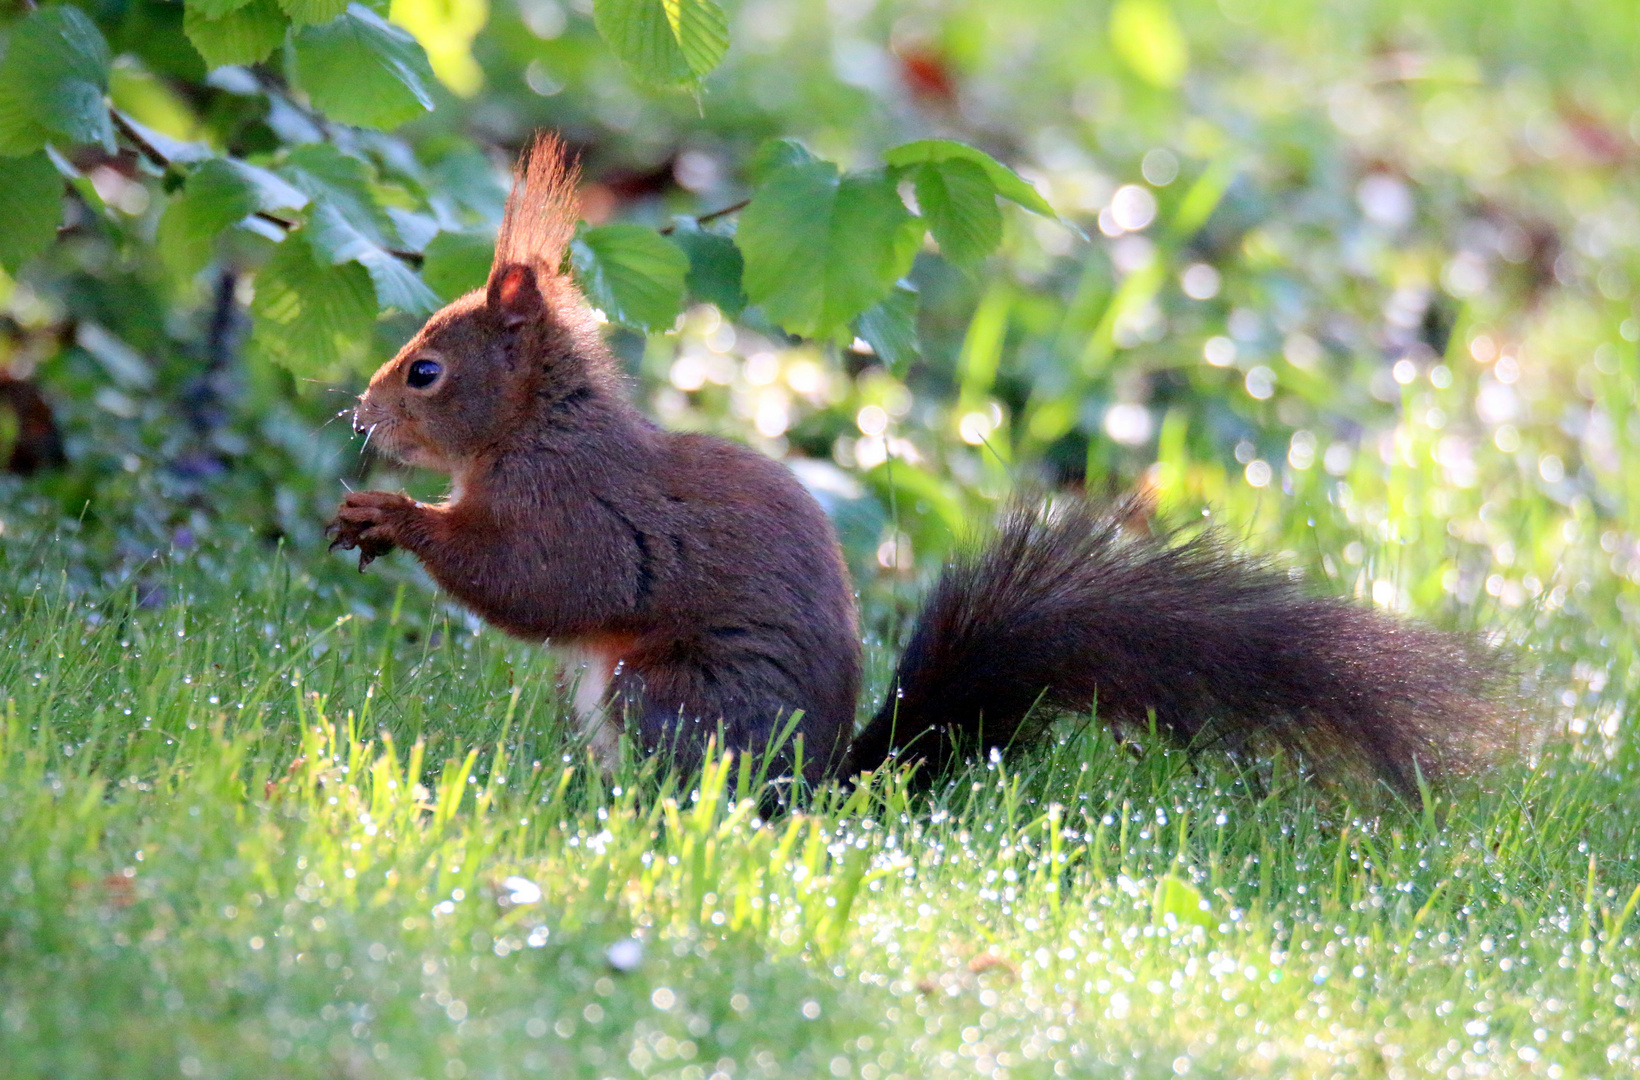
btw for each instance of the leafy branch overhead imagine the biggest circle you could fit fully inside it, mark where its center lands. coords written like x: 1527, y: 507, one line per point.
x: 350, y: 62
x: 824, y: 248
x: 820, y: 251
x: 342, y: 230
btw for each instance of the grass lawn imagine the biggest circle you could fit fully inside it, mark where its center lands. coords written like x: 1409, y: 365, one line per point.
x: 256, y: 827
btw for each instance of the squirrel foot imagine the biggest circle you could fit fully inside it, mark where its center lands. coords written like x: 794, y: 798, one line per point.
x: 369, y: 521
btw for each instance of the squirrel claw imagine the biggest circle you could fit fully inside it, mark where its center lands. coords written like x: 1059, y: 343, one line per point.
x: 367, y: 522
x: 340, y: 537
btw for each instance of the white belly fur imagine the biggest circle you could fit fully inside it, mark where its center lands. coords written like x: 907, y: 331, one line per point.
x: 590, y: 672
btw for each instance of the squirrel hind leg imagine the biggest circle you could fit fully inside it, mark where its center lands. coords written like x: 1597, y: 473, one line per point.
x: 676, y: 708
x: 588, y: 674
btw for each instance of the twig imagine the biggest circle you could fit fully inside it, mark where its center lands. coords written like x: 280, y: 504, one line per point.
x: 713, y: 216
x: 725, y: 212
x: 147, y: 149
x: 135, y: 138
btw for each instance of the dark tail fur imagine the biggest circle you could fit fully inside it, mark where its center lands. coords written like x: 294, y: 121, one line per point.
x: 1067, y: 610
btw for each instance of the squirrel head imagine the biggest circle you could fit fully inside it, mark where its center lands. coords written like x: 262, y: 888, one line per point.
x: 506, y: 362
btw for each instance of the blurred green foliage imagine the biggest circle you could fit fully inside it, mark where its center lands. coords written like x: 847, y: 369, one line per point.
x: 1357, y: 276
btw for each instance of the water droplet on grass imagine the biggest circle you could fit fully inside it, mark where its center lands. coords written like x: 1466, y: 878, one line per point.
x: 625, y: 955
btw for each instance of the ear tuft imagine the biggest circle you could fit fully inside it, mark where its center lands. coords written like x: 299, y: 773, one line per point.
x: 514, y: 294
x: 542, y: 209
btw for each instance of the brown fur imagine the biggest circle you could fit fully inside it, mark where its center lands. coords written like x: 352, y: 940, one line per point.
x: 541, y: 212
x: 705, y: 584
x: 708, y: 570
x: 1067, y: 608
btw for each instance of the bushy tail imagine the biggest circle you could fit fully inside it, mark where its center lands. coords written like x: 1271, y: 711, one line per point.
x: 1067, y: 610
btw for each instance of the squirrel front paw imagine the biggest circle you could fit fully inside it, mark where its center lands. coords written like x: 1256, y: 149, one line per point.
x: 370, y: 521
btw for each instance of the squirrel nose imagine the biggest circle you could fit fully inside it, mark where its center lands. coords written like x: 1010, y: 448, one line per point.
x: 361, y: 425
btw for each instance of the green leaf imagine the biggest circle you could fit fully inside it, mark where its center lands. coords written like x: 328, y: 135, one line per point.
x: 396, y: 283
x: 53, y: 78
x: 213, y: 199
x: 664, y: 42
x: 1203, y: 196
x: 1009, y: 184
x: 310, y: 316
x: 189, y: 228
x: 362, y: 70
x: 268, y: 189
x: 702, y: 31
x: 775, y: 155
x: 415, y: 230
x: 246, y: 35
x: 348, y: 225
x: 305, y: 12
x: 218, y: 194
x: 334, y: 240
x: 715, y: 267
x: 633, y: 273
x: 333, y: 235
x: 31, y: 205
x: 466, y: 181
x: 1177, y: 897
x: 931, y: 505
x: 1147, y: 37
x: 890, y: 328
x: 455, y: 263
x: 215, y: 9
x: 821, y: 248
x: 959, y: 202
x: 326, y: 175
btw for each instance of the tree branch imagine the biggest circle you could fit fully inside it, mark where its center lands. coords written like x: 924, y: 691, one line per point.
x: 713, y: 216
x: 147, y: 149
x: 135, y: 138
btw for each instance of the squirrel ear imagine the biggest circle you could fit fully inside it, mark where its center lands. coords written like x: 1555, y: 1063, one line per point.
x: 514, y: 294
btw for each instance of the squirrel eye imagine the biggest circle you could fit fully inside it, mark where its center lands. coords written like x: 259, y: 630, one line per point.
x: 423, y: 373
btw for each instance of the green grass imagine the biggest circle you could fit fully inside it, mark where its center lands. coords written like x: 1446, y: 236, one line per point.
x: 264, y: 829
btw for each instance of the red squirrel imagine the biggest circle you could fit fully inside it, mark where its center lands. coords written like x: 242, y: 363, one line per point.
x: 704, y: 589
